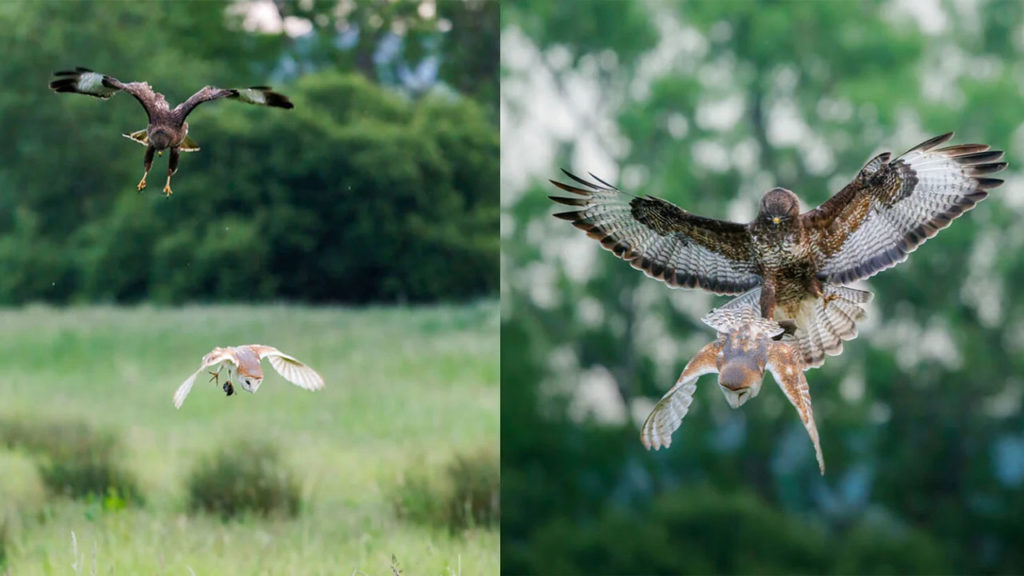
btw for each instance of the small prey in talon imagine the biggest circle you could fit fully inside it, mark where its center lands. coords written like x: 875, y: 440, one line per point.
x: 227, y: 387
x: 243, y: 367
x: 167, y: 129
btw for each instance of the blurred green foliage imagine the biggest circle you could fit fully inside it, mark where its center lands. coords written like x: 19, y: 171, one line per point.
x: 74, y: 459
x: 709, y: 104
x: 245, y: 476
x: 363, y: 192
x: 465, y: 495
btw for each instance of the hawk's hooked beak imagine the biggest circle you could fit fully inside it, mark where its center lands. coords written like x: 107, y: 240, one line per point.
x: 775, y: 219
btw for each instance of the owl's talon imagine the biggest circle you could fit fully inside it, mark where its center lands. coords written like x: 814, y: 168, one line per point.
x: 788, y: 327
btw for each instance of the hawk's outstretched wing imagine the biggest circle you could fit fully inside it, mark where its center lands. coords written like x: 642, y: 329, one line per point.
x: 85, y: 81
x: 892, y: 207
x: 665, y: 241
x: 215, y: 357
x: 668, y: 413
x: 259, y: 95
x: 291, y: 369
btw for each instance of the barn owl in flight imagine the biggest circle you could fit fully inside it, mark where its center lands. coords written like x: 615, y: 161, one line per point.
x: 242, y: 364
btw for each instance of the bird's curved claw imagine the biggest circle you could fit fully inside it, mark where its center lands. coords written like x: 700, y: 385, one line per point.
x: 829, y: 298
x: 167, y: 190
x: 788, y: 327
x: 142, y: 185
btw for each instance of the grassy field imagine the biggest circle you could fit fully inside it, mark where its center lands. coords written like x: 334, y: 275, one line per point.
x: 406, y: 388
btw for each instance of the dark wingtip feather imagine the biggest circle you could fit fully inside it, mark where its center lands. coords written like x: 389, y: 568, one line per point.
x: 979, y: 157
x: 570, y: 216
x: 610, y: 187
x: 569, y: 188
x: 988, y: 183
x: 979, y: 169
x: 570, y: 201
x: 932, y: 143
x: 65, y: 85
x: 580, y: 180
x: 277, y: 100
x: 960, y: 150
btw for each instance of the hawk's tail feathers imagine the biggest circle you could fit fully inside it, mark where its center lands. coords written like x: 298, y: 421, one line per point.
x: 822, y: 326
x: 833, y: 321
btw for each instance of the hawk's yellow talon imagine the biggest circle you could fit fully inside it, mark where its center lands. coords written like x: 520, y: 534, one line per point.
x: 167, y: 190
x: 142, y: 185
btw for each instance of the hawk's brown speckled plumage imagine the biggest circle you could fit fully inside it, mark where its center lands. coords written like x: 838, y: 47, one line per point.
x: 167, y: 126
x: 887, y: 211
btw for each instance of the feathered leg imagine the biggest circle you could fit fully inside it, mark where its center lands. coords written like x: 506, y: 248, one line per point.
x: 172, y: 167
x: 768, y: 298
x: 148, y: 161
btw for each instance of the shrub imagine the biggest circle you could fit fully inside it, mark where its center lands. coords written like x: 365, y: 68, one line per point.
x: 74, y: 459
x: 464, y: 495
x: 476, y: 484
x: 246, y: 476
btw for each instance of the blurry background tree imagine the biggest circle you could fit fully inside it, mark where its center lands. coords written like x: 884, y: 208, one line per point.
x: 381, y: 184
x: 709, y: 104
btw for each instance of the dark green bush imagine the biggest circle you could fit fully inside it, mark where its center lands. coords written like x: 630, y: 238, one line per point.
x: 245, y: 476
x: 464, y: 495
x: 74, y: 459
x: 476, y: 485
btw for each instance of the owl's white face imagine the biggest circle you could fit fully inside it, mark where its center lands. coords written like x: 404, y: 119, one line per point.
x: 740, y: 381
x: 250, y: 383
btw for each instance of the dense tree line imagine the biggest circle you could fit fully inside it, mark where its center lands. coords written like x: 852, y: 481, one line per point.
x: 368, y: 190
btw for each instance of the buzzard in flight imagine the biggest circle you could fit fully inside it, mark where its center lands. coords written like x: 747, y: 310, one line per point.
x: 886, y: 212
x: 167, y: 126
x: 746, y: 345
x: 243, y: 367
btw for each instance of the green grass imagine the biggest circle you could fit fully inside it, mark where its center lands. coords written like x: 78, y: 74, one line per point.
x: 405, y: 387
